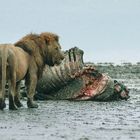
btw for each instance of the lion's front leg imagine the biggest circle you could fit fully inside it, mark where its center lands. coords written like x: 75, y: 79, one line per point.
x: 31, y: 86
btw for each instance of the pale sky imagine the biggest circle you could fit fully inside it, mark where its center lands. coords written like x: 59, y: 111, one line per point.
x: 107, y: 30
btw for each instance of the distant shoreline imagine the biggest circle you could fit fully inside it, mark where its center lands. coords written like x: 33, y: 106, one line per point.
x: 113, y: 63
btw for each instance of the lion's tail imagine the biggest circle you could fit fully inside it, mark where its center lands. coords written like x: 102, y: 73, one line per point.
x: 4, y: 65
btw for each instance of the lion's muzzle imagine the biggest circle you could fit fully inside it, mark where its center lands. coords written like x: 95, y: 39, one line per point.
x: 59, y: 58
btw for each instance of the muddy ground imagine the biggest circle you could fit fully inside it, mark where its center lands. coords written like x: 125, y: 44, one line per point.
x: 82, y: 120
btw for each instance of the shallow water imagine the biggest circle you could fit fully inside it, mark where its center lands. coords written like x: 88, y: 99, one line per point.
x: 82, y: 120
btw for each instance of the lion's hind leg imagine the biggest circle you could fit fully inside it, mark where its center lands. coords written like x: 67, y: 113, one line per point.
x: 12, y: 86
x: 12, y: 81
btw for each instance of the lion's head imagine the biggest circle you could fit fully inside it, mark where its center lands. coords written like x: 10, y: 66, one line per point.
x: 55, y: 55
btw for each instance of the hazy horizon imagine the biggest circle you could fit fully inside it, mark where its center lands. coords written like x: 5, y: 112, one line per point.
x: 107, y: 30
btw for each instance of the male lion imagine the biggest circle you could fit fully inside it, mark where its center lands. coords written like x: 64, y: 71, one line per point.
x: 26, y: 59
